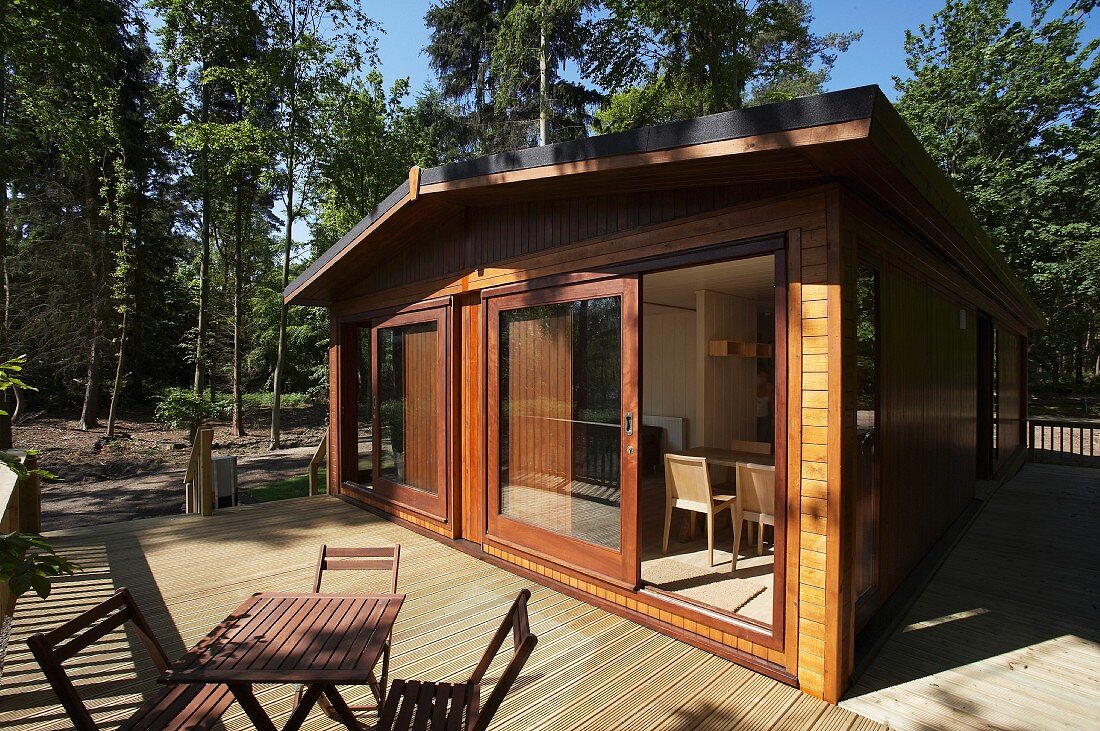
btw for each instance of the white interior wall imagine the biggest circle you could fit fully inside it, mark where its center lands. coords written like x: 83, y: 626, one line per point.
x: 668, y: 358
x: 725, y: 385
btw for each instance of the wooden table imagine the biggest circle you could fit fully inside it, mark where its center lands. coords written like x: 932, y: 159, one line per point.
x: 317, y: 640
x: 727, y: 457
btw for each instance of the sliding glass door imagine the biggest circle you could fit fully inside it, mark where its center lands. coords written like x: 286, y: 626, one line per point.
x: 410, y: 408
x: 563, y: 424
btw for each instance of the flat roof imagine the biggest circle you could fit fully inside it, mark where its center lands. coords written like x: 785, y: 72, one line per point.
x: 819, y: 111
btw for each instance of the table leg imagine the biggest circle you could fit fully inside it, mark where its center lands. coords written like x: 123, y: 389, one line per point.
x: 305, y: 705
x: 252, y: 708
x: 343, y: 713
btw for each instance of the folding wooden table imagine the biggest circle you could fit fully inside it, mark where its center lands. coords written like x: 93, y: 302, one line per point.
x: 316, y: 640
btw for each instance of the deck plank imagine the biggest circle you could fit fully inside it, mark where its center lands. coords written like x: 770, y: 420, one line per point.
x: 591, y: 669
x: 1007, y: 634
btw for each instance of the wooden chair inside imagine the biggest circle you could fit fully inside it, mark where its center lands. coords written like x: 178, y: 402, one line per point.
x: 181, y: 707
x: 688, y: 487
x: 755, y: 502
x: 419, y: 706
x: 385, y: 558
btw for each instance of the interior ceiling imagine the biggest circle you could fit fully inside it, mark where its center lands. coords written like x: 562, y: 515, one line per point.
x: 747, y: 278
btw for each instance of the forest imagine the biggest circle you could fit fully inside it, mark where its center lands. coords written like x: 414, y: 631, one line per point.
x: 167, y: 166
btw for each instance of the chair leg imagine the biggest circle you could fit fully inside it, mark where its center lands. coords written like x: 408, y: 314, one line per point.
x: 710, y: 538
x: 760, y: 538
x: 668, y: 526
x: 736, y: 519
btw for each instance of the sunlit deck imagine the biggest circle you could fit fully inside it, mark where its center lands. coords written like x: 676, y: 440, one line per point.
x: 591, y: 669
x: 1007, y: 635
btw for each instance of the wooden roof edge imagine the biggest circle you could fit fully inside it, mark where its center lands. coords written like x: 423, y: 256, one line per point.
x: 770, y: 121
x: 914, y: 161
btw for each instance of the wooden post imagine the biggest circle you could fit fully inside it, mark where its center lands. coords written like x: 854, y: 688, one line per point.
x: 204, y: 483
x: 29, y: 497
x: 314, y: 464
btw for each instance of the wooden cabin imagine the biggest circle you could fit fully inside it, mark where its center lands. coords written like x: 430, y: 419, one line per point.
x: 552, y: 358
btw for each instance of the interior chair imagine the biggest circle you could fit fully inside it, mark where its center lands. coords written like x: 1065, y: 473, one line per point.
x: 755, y: 503
x: 176, y: 707
x: 360, y: 559
x: 421, y: 705
x: 688, y: 487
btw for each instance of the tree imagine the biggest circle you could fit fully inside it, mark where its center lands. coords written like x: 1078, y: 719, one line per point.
x: 535, y: 40
x: 1011, y: 112
x: 464, y: 33
x: 676, y: 59
x: 316, y: 46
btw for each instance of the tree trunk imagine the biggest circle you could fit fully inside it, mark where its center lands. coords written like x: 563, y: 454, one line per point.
x: 280, y: 358
x: 90, y: 410
x: 112, y: 414
x: 544, y: 80
x: 204, y: 261
x: 238, y: 266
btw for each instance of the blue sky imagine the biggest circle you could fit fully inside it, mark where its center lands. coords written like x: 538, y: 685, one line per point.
x: 873, y: 60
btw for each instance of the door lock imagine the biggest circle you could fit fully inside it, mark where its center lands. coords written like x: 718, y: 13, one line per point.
x: 628, y: 423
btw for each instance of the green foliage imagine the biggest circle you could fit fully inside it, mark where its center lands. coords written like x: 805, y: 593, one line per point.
x: 183, y: 408
x: 676, y: 59
x: 262, y: 400
x: 28, y: 562
x: 1011, y: 111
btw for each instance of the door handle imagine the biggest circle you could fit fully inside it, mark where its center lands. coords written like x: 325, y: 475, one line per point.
x: 628, y: 423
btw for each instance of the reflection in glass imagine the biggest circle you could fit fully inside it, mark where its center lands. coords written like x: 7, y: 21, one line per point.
x: 363, y: 406
x: 867, y: 355
x: 408, y: 407
x: 560, y: 409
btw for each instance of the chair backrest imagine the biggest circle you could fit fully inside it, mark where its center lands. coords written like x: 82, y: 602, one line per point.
x: 740, y: 445
x: 358, y: 559
x: 687, y: 478
x: 523, y: 643
x: 756, y: 488
x: 53, y: 648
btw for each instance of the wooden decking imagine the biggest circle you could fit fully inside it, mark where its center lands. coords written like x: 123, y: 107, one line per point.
x: 591, y: 669
x: 1007, y: 635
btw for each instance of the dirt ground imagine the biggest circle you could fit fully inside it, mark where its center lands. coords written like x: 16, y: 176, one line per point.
x: 138, y: 473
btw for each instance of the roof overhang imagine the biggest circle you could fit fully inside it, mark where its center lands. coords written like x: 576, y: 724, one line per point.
x: 853, y: 135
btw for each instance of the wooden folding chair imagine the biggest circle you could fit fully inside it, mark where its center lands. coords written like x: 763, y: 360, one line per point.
x: 182, y: 707
x: 360, y: 559
x: 413, y: 705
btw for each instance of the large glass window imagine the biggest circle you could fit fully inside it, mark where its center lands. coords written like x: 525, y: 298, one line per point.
x: 364, y: 407
x: 560, y: 418
x: 867, y: 357
x: 409, y: 405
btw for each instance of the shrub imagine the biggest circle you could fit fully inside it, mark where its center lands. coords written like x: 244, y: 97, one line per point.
x: 181, y: 407
x: 262, y: 400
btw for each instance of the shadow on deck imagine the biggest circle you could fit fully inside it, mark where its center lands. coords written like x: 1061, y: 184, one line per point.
x: 1007, y: 634
x: 591, y: 669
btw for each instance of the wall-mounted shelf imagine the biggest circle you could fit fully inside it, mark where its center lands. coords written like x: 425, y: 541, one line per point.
x: 743, y: 350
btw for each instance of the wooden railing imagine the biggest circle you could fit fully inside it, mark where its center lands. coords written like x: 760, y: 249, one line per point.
x: 1064, y: 441
x: 319, y: 456
x: 198, y: 480
x: 20, y: 510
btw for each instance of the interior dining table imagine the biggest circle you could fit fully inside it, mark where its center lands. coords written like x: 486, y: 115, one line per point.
x: 316, y: 640
x: 727, y: 457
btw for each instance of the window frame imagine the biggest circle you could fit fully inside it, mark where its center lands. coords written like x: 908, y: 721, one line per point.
x: 435, y: 506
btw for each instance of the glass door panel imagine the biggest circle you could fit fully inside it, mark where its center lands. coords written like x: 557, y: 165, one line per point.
x: 410, y: 411
x: 562, y: 443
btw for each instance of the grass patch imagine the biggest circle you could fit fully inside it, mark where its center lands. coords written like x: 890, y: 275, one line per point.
x: 286, y: 489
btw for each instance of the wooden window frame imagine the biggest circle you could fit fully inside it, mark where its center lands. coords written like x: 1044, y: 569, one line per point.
x: 620, y: 568
x: 435, y: 506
